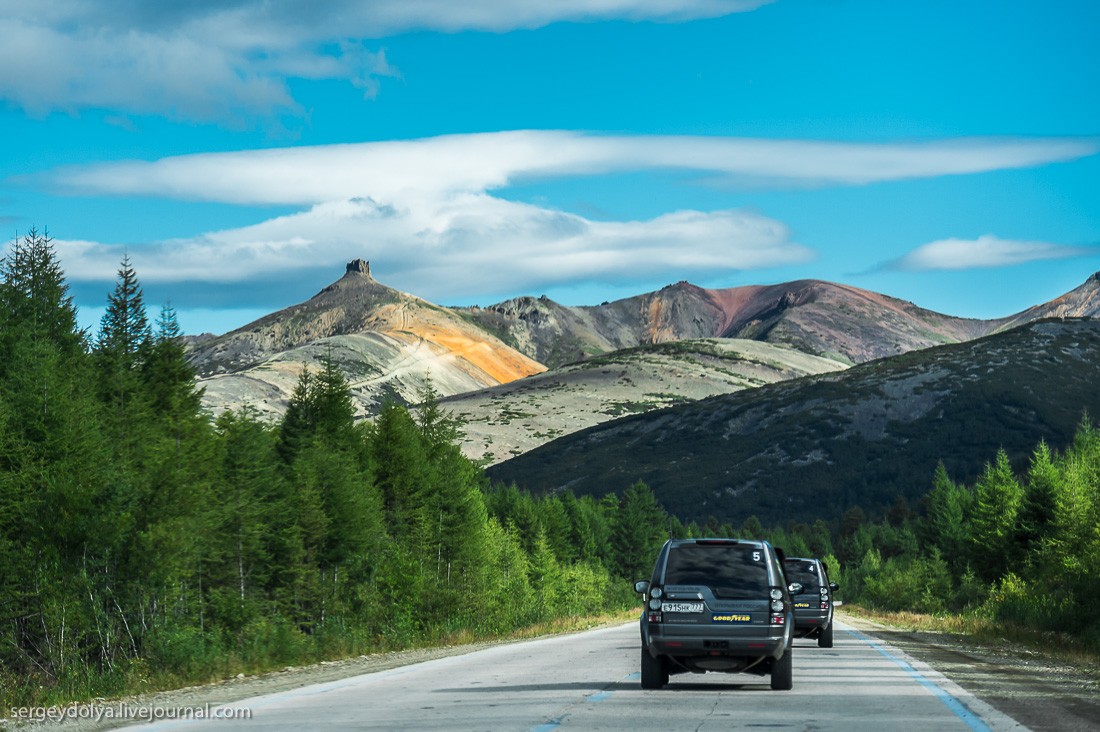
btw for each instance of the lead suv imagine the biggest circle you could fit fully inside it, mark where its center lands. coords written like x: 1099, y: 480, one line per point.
x: 717, y: 605
x: 813, y: 606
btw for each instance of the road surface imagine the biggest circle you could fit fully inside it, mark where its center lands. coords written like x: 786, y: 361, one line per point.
x: 589, y: 681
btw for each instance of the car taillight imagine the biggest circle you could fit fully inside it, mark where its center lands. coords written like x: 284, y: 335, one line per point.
x: 653, y: 617
x: 778, y: 619
x: 824, y: 606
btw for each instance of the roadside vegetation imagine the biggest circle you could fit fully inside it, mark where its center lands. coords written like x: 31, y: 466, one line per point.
x: 1016, y: 554
x: 144, y: 545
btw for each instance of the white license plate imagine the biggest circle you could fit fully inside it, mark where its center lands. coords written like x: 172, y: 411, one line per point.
x: 682, y: 607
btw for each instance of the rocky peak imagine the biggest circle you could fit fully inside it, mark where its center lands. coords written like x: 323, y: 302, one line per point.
x: 359, y: 266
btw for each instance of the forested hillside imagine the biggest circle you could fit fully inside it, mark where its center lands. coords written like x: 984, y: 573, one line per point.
x: 143, y: 544
x: 813, y: 447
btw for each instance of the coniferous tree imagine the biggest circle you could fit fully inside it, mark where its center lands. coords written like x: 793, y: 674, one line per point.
x: 945, y: 525
x: 638, y: 531
x: 125, y: 337
x: 34, y: 300
x: 1073, y: 540
x: 1037, y: 503
x: 169, y: 378
x: 56, y: 473
x: 997, y: 496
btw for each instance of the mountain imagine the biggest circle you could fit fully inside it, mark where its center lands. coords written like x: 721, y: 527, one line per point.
x: 388, y: 343
x: 503, y: 421
x: 813, y: 447
x: 838, y: 322
x: 1080, y: 302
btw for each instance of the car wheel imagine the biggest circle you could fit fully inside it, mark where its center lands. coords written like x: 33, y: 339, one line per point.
x: 825, y: 639
x: 654, y: 671
x: 783, y: 672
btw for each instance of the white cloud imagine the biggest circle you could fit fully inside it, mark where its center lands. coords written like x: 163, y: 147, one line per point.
x: 984, y: 252
x: 464, y: 245
x: 426, y: 213
x: 230, y: 61
x: 486, y: 161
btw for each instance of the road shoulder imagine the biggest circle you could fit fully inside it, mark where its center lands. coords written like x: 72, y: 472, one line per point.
x: 1039, y: 692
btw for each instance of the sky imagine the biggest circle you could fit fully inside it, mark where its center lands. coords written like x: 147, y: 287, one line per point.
x: 241, y: 152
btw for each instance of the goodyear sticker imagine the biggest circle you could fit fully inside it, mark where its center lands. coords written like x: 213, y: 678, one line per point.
x: 731, y: 618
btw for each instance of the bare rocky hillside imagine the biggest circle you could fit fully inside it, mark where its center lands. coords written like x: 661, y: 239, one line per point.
x: 388, y: 343
x: 508, y: 420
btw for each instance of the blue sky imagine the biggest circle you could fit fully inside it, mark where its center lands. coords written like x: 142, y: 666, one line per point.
x: 240, y: 152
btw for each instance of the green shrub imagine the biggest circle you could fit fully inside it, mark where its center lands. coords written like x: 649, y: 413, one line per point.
x: 918, y: 584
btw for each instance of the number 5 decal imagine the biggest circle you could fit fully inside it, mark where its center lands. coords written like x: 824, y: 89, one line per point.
x: 756, y: 556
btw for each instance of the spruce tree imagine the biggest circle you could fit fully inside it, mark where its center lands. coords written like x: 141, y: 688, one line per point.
x: 59, y: 522
x: 124, y: 335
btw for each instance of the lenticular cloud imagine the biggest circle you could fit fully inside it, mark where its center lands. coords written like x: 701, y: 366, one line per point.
x: 430, y: 212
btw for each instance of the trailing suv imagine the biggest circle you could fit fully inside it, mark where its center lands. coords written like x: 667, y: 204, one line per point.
x: 813, y: 606
x: 717, y: 605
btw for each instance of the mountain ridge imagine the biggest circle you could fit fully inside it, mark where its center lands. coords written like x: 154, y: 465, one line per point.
x: 391, y: 344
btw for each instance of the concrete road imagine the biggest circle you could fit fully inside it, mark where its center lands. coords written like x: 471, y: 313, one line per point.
x: 589, y: 681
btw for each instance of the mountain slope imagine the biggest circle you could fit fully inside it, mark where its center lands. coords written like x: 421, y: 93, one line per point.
x: 815, y: 446
x: 513, y: 418
x: 387, y: 342
x: 1081, y: 302
x: 822, y: 318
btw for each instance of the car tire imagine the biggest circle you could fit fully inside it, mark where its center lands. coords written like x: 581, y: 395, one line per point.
x: 654, y: 671
x: 825, y: 638
x: 783, y: 672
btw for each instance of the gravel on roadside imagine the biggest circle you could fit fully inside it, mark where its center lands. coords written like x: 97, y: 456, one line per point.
x: 1040, y: 691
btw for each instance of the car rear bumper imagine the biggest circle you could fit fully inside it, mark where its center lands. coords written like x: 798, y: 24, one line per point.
x: 812, y: 619
x: 698, y: 641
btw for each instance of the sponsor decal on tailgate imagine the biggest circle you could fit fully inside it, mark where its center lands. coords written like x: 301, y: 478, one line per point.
x: 802, y: 604
x: 731, y: 618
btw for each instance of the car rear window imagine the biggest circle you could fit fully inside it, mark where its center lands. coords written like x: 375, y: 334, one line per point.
x: 731, y: 571
x: 804, y: 573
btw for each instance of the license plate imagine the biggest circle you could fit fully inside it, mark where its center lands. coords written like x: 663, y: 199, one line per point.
x: 682, y: 607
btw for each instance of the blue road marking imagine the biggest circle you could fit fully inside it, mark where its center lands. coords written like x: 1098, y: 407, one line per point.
x: 957, y: 707
x: 599, y: 696
x: 548, y: 727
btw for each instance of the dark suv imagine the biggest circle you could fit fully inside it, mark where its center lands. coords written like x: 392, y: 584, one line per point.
x: 813, y: 606
x: 717, y: 605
